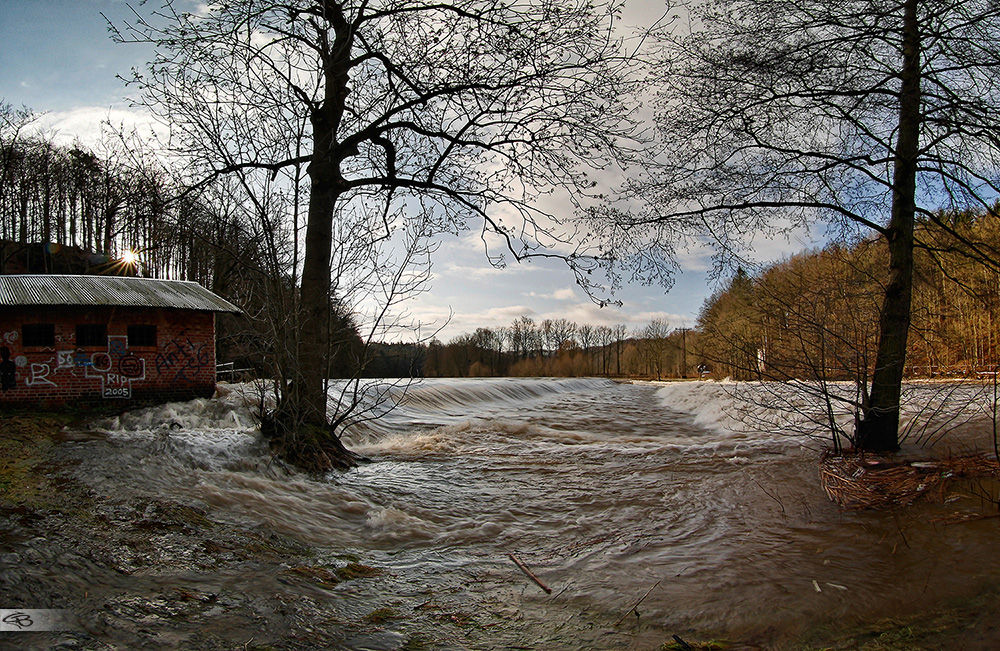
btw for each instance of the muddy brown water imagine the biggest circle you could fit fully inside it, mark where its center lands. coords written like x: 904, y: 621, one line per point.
x: 602, y: 489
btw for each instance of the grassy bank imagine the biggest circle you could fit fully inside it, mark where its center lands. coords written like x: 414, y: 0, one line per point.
x: 25, y: 446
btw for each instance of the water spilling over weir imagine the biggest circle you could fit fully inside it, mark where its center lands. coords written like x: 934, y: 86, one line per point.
x: 602, y: 489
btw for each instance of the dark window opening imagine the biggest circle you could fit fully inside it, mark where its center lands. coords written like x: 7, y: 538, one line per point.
x: 91, y: 334
x: 38, y: 334
x: 141, y: 335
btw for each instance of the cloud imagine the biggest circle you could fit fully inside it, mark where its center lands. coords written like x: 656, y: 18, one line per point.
x: 85, y: 124
x: 767, y: 248
x: 695, y: 257
x: 476, y: 272
x: 565, y: 294
x: 203, y: 9
x: 587, y: 313
x: 468, y: 322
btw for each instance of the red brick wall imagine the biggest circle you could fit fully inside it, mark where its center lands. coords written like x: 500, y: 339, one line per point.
x: 180, y: 366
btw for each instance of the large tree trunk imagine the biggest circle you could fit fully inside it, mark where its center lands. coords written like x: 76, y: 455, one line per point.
x: 307, y: 397
x: 879, y: 427
x: 309, y: 440
x: 299, y: 428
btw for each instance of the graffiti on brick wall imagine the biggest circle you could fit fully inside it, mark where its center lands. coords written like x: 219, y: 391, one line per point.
x: 10, y: 337
x: 182, y: 359
x: 116, y: 368
x: 43, y: 372
x: 38, y: 374
x: 65, y: 359
x: 8, y: 370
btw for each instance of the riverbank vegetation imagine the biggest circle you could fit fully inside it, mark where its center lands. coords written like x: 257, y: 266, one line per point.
x: 813, y: 315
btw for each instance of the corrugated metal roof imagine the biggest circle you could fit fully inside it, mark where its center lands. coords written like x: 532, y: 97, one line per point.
x: 109, y: 291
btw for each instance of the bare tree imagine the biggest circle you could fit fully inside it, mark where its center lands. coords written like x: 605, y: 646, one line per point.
x: 865, y: 114
x: 605, y: 337
x: 13, y: 123
x: 806, y: 331
x: 465, y: 108
x: 653, y: 345
x: 619, y: 333
x: 588, y: 337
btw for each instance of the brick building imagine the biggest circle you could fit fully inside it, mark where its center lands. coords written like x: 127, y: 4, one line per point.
x: 69, y: 338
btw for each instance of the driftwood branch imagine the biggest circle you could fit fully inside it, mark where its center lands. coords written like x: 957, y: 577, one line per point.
x: 636, y: 604
x: 529, y: 573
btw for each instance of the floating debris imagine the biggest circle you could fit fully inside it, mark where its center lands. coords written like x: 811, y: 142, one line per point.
x: 859, y: 482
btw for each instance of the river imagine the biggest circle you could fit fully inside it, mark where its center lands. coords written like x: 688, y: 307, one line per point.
x: 606, y: 491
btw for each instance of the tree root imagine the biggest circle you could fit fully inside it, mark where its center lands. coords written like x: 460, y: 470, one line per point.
x: 312, y: 447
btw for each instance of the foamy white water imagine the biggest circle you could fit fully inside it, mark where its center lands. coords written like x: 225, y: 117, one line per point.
x: 603, y: 488
x: 929, y: 410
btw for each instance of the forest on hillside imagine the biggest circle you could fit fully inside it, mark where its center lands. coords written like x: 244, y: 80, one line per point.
x: 815, y: 314
x: 99, y: 204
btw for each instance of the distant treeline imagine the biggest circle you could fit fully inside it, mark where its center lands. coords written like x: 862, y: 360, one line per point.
x: 552, y: 347
x: 813, y: 315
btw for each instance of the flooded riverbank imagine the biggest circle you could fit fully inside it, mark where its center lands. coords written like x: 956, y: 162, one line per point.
x: 604, y: 490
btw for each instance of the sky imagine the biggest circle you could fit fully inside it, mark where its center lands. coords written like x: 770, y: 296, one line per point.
x: 56, y: 57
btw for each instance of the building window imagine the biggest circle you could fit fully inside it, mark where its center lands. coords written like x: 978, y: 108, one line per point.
x: 38, y: 334
x: 91, y: 334
x: 141, y: 335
